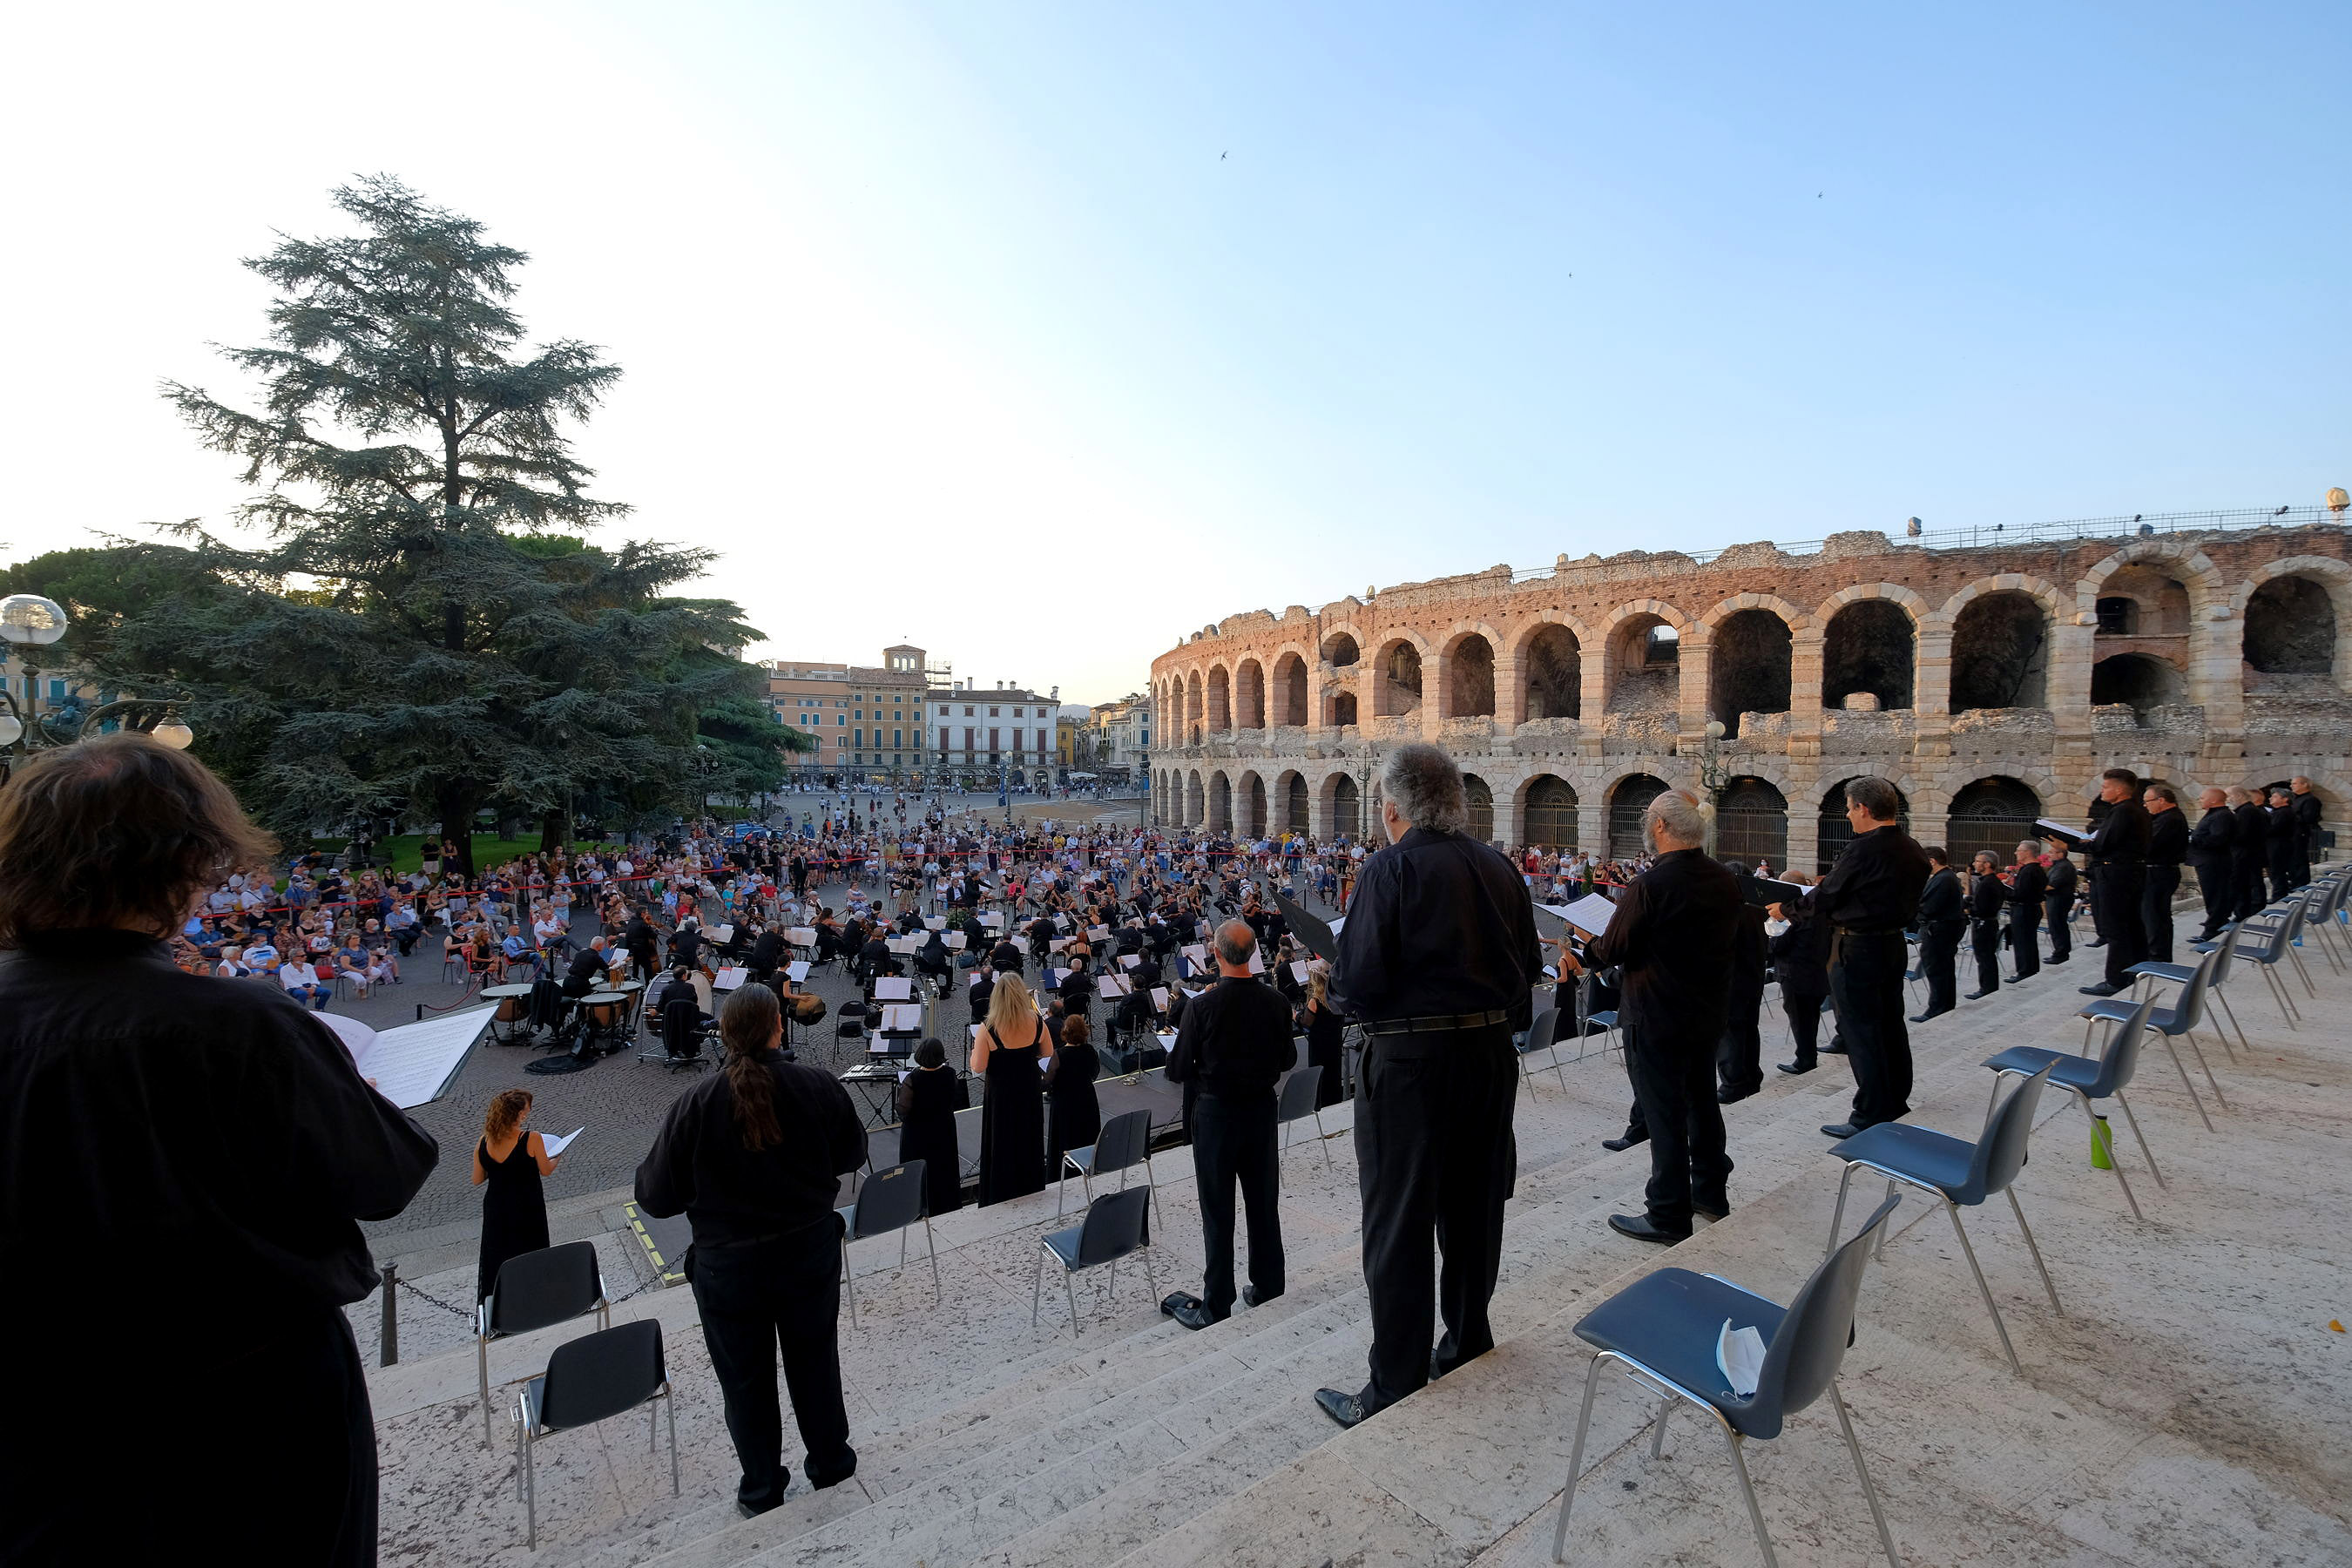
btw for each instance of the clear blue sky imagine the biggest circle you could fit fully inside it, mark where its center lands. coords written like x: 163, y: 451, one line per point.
x: 1043, y: 334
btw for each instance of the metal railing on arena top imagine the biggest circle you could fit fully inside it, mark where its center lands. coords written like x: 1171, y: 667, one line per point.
x: 2062, y: 532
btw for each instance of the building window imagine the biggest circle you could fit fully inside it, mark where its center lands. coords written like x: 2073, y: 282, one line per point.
x: 840, y: 719
x: 898, y: 737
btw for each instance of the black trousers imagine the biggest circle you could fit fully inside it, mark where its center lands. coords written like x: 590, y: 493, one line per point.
x: 1984, y: 936
x: 2024, y: 938
x: 1866, y: 979
x: 1739, y: 1055
x: 1804, y: 1016
x: 1939, y: 949
x: 778, y: 1297
x: 2252, y: 895
x: 296, y: 1406
x: 1674, y: 1081
x: 1434, y: 1153
x: 2055, y: 908
x: 2282, y: 863
x: 2218, y: 887
x: 1234, y: 1143
x: 2120, y: 885
x: 2156, y: 911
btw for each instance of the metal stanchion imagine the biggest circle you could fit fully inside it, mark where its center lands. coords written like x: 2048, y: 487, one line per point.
x: 391, y: 1330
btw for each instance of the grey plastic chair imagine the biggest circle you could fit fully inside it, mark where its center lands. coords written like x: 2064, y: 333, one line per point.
x: 1542, y: 1034
x: 1123, y: 1142
x: 2179, y: 1020
x: 1114, y: 1227
x: 536, y: 1290
x: 1663, y: 1329
x: 888, y: 1200
x: 1296, y: 1103
x: 2265, y: 944
x: 2086, y: 1081
x: 589, y: 1380
x: 1962, y: 1173
x: 2283, y: 926
x: 2216, y: 984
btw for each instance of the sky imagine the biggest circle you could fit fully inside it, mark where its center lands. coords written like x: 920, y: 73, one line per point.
x: 1042, y: 335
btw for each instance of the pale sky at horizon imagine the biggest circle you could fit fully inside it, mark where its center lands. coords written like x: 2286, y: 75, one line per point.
x: 951, y: 323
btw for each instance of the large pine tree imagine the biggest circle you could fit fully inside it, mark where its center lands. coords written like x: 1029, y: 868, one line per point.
x: 423, y: 627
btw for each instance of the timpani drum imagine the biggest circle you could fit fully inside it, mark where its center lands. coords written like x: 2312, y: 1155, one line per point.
x: 514, y: 1002
x: 604, y: 1009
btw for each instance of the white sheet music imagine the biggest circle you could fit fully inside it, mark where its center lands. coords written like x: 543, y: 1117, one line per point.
x: 555, y: 1146
x: 902, y: 1017
x: 955, y: 941
x: 1111, y: 987
x: 1159, y: 997
x: 801, y: 936
x: 728, y: 979
x: 1130, y: 960
x: 1590, y: 914
x: 797, y: 972
x: 1299, y: 972
x: 892, y: 988
x: 935, y: 922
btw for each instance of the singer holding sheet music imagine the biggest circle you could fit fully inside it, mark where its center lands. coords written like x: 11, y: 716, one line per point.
x: 509, y: 1161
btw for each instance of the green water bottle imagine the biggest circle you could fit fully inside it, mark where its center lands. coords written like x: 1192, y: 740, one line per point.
x: 2102, y: 1158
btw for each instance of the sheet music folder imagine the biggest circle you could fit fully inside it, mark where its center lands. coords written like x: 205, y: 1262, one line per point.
x: 1764, y: 893
x: 1309, y: 929
x: 2071, y: 837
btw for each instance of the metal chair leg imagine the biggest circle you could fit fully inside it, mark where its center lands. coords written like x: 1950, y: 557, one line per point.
x: 1038, y: 1284
x: 2231, y: 1014
x: 1150, y: 1274
x: 1991, y: 1306
x: 848, y: 1287
x: 1575, y: 1461
x: 530, y: 1492
x: 1755, y: 1513
x: 1869, y: 1492
x: 1066, y: 1284
x: 1837, y: 1216
x: 2034, y: 1247
x: 2204, y: 1066
x: 931, y: 1245
x: 1881, y: 1253
x: 2174, y: 1052
x: 1323, y: 1138
x: 482, y: 1375
x: 1658, y: 1428
x: 2144, y: 1150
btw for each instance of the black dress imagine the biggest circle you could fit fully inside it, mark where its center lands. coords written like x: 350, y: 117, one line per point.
x: 1324, y: 1029
x: 514, y: 1210
x: 1074, y: 1115
x: 929, y: 1098
x: 1012, y: 1122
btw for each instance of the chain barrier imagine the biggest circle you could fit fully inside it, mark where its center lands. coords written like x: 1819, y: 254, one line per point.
x: 465, y: 1312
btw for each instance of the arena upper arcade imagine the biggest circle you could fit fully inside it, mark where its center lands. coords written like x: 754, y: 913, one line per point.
x: 1990, y: 683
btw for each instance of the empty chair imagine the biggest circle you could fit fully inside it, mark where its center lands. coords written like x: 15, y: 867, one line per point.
x: 2088, y: 1080
x: 1541, y: 1033
x: 1959, y: 1172
x: 1296, y: 1103
x: 2280, y: 935
x: 890, y: 1200
x: 533, y: 1291
x: 2226, y: 952
x: 1114, y: 1227
x: 1663, y: 1329
x: 589, y: 1379
x: 2180, y: 1020
x: 1124, y: 1143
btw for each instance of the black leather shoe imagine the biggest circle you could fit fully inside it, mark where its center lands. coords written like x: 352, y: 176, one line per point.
x: 1639, y: 1228
x: 1731, y: 1096
x: 1792, y: 1069
x: 1345, y: 1408
x: 2057, y: 958
x: 1833, y: 1050
x: 2096, y: 942
x: 2101, y: 989
x: 1842, y: 1129
x: 1196, y: 1315
x: 1713, y: 1212
x: 1976, y: 995
x: 1619, y: 1145
x: 1250, y: 1297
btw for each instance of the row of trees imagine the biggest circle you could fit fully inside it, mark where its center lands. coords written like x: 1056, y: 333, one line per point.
x: 414, y: 620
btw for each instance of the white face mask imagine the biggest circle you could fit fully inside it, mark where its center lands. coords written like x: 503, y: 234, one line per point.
x: 1774, y: 927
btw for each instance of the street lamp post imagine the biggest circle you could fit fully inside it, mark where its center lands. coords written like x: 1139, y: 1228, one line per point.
x: 1711, y: 778
x: 28, y: 621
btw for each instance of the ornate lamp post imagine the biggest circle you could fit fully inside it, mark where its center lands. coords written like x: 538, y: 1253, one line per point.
x: 30, y: 622
x: 1711, y: 777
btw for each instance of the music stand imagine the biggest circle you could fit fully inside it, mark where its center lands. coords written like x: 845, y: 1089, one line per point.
x: 1308, y: 929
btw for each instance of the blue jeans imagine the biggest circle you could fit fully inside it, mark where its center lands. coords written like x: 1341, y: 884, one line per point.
x: 316, y: 995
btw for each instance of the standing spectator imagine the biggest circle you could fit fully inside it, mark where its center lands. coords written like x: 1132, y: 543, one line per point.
x: 1868, y: 898
x: 176, y: 1129
x: 1436, y: 963
x: 1943, y: 917
x: 2209, y: 855
x: 509, y: 1161
x: 753, y: 1157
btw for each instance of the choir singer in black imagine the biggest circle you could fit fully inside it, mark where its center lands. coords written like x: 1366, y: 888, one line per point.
x: 1671, y: 938
x: 2209, y: 843
x: 1436, y: 963
x: 2119, y: 853
x: 1869, y: 896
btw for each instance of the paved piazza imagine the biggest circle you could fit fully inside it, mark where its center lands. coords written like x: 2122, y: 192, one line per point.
x: 1989, y: 684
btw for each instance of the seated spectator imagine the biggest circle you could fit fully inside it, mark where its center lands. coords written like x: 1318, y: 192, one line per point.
x: 232, y: 965
x: 350, y: 961
x: 402, y: 923
x: 305, y: 983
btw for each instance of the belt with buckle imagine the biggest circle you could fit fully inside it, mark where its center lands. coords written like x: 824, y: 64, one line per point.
x: 1432, y: 1025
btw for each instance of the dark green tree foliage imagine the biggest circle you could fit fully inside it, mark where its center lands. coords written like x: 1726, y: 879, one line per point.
x: 425, y: 628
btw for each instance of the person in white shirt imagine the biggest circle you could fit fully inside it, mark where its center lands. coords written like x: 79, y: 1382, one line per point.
x: 232, y: 965
x: 305, y: 983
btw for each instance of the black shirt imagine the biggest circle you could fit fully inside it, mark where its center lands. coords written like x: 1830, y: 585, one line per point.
x: 1875, y: 884
x: 2253, y: 826
x: 700, y: 1167
x: 1986, y: 895
x: 1234, y: 1041
x: 2209, y: 841
x: 1440, y: 924
x: 2122, y: 838
x: 1941, y: 900
x: 180, y: 1131
x: 2027, y: 886
x: 1671, y: 937
x: 2167, y: 836
x: 2062, y: 878
x: 586, y: 974
x: 1800, y: 957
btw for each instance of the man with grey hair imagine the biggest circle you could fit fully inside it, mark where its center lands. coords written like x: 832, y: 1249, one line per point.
x: 1868, y: 898
x: 1232, y: 1049
x: 2209, y: 855
x: 1436, y: 962
x: 1671, y: 938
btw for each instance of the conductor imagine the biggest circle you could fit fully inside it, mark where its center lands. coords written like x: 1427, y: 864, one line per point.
x: 1436, y: 963
x: 1671, y: 939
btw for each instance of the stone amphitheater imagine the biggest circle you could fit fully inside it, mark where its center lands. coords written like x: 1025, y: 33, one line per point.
x: 1990, y: 675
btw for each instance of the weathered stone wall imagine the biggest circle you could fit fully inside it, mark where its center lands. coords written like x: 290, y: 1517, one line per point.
x: 1897, y: 688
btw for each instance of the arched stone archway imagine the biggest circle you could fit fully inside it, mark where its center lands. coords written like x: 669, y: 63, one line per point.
x: 1469, y: 678
x: 1221, y: 706
x: 1288, y: 699
x: 1751, y: 823
x: 1479, y: 796
x: 1992, y: 813
x: 1870, y: 649
x: 1195, y: 800
x: 1548, y: 813
x: 1249, y: 806
x: 2000, y: 652
x: 1550, y: 672
x: 1249, y: 695
x: 1221, y: 803
x: 1397, y: 678
x: 1628, y: 797
x: 1750, y: 665
x: 1291, y: 798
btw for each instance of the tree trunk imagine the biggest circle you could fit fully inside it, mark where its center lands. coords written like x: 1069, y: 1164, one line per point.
x: 458, y: 804
x: 555, y: 830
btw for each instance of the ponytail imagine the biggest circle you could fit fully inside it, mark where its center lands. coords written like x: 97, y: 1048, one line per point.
x: 748, y: 1025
